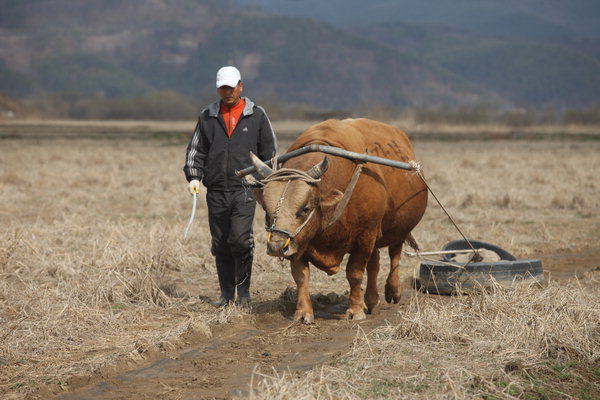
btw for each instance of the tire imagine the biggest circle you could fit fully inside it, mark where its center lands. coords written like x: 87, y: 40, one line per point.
x: 449, y: 277
x: 478, y: 244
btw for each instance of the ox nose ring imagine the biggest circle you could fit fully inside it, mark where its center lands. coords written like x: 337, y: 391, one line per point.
x: 286, y: 244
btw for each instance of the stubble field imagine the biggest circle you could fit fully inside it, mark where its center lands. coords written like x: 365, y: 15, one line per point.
x: 101, y: 298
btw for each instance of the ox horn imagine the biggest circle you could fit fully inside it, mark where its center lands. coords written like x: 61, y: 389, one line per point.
x: 319, y: 169
x: 263, y: 169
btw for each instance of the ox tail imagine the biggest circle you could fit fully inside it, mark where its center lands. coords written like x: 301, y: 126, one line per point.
x: 410, y: 240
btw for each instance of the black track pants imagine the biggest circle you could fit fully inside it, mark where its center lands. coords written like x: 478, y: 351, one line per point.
x: 230, y: 216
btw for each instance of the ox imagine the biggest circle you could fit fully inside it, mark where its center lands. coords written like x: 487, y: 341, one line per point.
x: 384, y: 207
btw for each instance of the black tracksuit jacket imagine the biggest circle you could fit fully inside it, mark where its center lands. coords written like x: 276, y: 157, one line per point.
x: 213, y: 157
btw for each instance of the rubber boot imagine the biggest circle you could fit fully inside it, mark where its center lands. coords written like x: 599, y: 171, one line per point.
x: 243, y: 273
x: 226, y: 273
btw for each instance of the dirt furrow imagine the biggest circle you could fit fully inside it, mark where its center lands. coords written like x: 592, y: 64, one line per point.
x: 222, y: 367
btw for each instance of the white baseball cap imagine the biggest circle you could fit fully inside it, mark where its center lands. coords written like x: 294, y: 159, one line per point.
x: 228, y: 76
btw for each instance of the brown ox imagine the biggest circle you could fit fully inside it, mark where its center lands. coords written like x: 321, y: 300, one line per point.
x: 386, y: 204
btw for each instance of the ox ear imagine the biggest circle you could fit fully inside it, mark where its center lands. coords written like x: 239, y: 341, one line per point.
x: 254, y: 188
x: 251, y: 182
x: 257, y: 193
x: 319, y: 169
x: 263, y: 169
x: 331, y: 198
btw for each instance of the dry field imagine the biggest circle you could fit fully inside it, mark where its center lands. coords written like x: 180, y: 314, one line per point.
x: 100, y: 298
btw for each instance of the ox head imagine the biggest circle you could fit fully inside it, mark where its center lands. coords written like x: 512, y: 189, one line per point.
x: 294, y: 203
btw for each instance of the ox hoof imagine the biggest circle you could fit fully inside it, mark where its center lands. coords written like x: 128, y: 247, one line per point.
x: 306, y: 318
x: 355, y: 315
x: 374, y: 310
x: 392, y: 295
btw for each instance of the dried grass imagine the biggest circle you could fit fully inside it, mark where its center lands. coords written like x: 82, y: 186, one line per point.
x: 479, y: 346
x: 93, y: 268
x: 91, y: 261
x: 497, y: 345
x: 513, y: 194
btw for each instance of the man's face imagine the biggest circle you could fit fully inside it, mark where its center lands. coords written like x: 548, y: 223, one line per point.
x: 230, y: 96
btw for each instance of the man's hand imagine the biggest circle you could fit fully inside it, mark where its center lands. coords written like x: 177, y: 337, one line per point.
x: 194, y: 186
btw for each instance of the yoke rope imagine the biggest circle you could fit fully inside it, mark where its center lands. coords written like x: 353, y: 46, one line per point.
x: 283, y: 174
x: 417, y: 168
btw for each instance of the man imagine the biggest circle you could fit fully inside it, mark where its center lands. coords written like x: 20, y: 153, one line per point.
x: 226, y: 132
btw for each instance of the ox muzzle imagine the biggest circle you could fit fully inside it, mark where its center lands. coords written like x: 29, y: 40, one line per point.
x: 280, y: 243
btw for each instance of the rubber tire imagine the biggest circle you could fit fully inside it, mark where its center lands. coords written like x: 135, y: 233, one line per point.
x: 478, y: 244
x: 448, y: 277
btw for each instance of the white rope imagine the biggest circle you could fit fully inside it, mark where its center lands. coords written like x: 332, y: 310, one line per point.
x: 185, y: 233
x: 289, y: 174
x: 416, y: 166
x: 435, y: 253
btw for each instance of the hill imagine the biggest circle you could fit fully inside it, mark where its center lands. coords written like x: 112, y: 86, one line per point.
x: 105, y: 49
x: 532, y: 19
x: 527, y: 72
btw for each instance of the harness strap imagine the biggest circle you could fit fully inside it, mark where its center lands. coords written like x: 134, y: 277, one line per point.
x: 290, y: 235
x: 339, y: 209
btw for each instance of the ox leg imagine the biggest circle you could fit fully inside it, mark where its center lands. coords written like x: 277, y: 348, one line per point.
x: 301, y: 274
x: 392, y: 284
x: 354, y: 273
x: 371, y: 296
